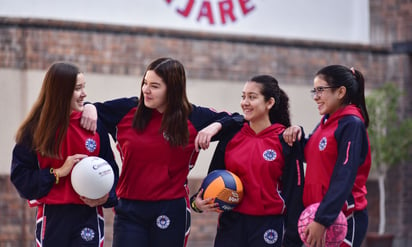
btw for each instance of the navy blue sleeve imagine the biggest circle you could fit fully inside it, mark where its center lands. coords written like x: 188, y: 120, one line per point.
x: 106, y: 153
x: 231, y: 124
x: 218, y: 159
x: 292, y: 190
x: 111, y: 112
x: 30, y: 181
x: 201, y: 117
x: 352, y: 139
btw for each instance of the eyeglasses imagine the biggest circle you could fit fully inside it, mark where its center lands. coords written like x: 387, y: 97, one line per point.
x: 319, y: 90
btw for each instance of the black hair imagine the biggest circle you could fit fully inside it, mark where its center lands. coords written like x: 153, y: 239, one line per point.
x: 279, y: 113
x: 352, y: 80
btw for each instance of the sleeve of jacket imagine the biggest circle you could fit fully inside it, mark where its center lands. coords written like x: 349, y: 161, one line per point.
x: 106, y: 153
x: 292, y: 190
x: 30, y: 181
x: 352, y: 150
x: 218, y: 159
x: 111, y: 112
x: 201, y: 117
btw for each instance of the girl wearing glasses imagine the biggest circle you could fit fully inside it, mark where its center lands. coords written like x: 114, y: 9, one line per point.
x: 337, y: 154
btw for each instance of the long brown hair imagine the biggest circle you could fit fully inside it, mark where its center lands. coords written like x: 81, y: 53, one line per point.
x: 47, y: 122
x: 178, y: 108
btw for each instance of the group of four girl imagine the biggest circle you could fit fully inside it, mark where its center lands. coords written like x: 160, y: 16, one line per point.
x: 158, y: 136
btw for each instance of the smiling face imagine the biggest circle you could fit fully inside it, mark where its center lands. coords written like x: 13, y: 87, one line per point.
x: 253, y: 103
x: 328, y: 100
x: 79, y: 94
x: 154, y: 91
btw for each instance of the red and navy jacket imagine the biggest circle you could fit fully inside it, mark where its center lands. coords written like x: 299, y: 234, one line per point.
x: 338, y: 160
x: 271, y: 173
x: 30, y: 171
x: 152, y: 169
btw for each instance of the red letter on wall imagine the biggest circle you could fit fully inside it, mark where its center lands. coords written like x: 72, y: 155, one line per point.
x: 226, y: 9
x: 185, y: 12
x: 206, y: 11
x: 246, y: 9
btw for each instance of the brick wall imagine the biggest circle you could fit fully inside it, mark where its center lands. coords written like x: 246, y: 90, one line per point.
x: 34, y: 44
x: 391, y: 21
x: 398, y: 203
x: 17, y: 220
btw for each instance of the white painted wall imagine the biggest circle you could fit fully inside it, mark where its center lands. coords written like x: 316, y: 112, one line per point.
x: 326, y: 20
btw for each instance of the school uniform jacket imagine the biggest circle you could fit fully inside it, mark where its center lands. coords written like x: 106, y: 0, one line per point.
x: 30, y: 171
x: 338, y: 162
x: 271, y: 173
x: 152, y: 169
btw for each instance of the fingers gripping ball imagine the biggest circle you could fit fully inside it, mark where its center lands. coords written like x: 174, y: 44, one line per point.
x: 335, y: 234
x: 92, y: 177
x: 224, y: 187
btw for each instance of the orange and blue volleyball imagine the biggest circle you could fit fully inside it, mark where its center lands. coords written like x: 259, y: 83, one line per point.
x: 224, y: 187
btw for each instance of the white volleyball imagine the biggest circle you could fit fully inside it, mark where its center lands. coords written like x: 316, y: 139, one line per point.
x: 92, y: 177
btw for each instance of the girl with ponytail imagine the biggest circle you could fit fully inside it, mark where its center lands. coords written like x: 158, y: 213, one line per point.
x: 337, y: 154
x: 265, y: 165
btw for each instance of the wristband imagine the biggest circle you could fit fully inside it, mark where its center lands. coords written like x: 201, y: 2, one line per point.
x: 195, y: 208
x: 56, y: 175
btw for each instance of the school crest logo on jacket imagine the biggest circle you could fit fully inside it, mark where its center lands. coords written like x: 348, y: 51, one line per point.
x: 269, y: 155
x: 323, y: 143
x: 90, y: 145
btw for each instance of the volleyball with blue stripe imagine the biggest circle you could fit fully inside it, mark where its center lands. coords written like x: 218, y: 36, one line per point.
x: 224, y: 187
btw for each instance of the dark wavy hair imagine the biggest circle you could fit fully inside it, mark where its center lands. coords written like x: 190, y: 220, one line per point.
x: 279, y: 113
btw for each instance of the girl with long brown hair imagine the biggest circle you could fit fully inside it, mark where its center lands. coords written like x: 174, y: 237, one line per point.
x: 49, y: 143
x: 156, y: 139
